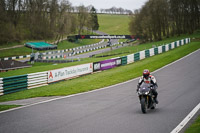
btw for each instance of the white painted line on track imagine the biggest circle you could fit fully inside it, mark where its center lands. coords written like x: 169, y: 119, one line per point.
x: 186, y: 120
x: 96, y: 89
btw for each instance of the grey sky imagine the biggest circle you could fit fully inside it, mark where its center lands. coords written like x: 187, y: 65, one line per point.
x: 105, y: 4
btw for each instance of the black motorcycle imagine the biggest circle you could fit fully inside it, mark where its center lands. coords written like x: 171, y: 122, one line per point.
x: 146, y: 97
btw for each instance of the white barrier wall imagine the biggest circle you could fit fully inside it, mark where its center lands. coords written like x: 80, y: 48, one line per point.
x: 37, y: 79
x: 160, y: 49
x: 172, y: 45
x: 1, y: 86
x: 151, y: 51
x: 167, y: 47
x: 130, y: 58
x: 142, y: 54
x: 178, y: 43
x: 182, y: 41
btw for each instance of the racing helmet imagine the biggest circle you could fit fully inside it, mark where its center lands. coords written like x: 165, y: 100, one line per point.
x: 146, y: 73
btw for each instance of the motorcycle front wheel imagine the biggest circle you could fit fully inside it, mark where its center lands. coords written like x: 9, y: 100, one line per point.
x: 143, y: 105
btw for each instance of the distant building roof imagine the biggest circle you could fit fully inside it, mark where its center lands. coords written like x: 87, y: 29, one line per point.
x: 12, y: 64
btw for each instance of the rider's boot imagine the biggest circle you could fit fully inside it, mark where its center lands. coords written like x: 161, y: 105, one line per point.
x: 156, y: 100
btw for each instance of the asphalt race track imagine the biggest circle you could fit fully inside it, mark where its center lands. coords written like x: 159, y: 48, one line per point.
x: 115, y: 109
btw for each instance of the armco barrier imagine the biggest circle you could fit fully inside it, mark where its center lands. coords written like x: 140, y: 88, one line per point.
x: 37, y: 79
x: 136, y: 57
x: 147, y: 53
x: 14, y: 84
x: 155, y: 51
x: 22, y: 82
x: 124, y: 60
x: 1, y: 86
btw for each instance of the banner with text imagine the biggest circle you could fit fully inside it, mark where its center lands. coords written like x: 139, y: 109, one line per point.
x: 107, y: 64
x: 69, y: 72
x: 106, y: 37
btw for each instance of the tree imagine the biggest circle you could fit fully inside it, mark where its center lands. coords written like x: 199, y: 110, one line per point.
x: 162, y: 18
x: 94, y: 19
x: 82, y: 18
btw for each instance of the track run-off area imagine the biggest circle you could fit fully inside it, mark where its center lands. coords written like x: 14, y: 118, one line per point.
x: 114, y: 109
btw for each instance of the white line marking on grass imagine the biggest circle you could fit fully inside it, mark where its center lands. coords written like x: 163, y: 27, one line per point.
x: 186, y: 120
x: 96, y: 89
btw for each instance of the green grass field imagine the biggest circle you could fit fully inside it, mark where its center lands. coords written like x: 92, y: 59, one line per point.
x: 114, y: 24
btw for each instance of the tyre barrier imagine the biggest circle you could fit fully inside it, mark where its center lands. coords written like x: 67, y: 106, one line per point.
x: 22, y: 82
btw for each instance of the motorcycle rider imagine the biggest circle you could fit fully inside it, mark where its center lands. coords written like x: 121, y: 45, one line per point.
x: 149, y: 79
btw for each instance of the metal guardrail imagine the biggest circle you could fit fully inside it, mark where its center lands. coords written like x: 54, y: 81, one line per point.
x: 37, y: 79
x: 14, y: 84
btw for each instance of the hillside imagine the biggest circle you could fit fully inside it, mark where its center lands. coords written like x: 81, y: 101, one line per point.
x: 114, y: 24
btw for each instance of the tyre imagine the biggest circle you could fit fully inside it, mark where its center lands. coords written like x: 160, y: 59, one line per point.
x: 143, y: 106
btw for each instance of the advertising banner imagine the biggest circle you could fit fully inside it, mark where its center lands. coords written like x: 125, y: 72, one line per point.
x: 69, y: 72
x: 96, y: 66
x: 106, y: 37
x: 108, y: 64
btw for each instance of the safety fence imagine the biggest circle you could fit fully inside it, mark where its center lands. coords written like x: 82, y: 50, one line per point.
x: 37, y: 79
x: 73, y: 49
x: 33, y: 80
x: 73, y: 52
x: 55, y: 52
x: 22, y: 82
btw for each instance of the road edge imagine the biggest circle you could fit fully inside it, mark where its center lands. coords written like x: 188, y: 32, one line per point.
x: 186, y: 120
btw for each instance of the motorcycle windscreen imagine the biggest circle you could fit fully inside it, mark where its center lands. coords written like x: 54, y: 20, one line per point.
x: 144, y: 88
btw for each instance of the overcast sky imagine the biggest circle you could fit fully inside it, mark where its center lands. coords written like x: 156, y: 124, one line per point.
x: 105, y: 4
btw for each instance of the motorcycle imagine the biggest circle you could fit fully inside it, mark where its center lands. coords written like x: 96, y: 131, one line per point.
x: 146, y: 97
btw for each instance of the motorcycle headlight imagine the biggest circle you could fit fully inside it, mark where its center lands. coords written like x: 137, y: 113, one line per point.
x: 146, y: 93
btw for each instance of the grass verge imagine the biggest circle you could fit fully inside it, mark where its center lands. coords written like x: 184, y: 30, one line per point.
x: 105, y: 78
x: 6, y: 107
x: 195, y: 127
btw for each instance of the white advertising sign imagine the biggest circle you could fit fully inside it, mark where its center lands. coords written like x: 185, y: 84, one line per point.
x: 69, y: 72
